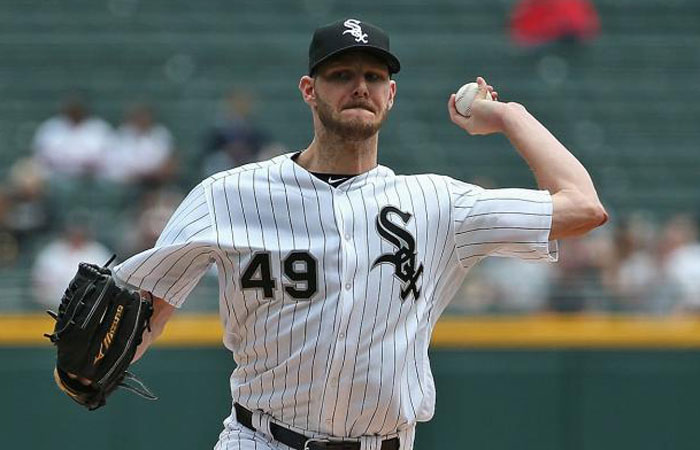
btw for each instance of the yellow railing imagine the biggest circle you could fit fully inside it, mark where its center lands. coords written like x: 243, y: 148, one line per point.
x: 538, y: 331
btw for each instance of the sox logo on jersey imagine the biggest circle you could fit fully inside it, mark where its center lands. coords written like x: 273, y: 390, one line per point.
x: 404, y: 259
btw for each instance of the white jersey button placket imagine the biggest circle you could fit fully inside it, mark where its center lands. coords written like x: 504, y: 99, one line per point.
x: 344, y: 220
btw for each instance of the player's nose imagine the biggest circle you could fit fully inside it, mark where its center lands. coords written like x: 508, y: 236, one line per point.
x: 360, y: 88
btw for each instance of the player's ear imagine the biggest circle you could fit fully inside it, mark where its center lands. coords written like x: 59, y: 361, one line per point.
x: 306, y: 87
x: 392, y: 93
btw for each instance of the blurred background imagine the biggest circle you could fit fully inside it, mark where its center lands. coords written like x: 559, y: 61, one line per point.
x: 112, y: 110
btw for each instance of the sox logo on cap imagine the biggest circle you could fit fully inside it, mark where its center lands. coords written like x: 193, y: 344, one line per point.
x: 353, y: 27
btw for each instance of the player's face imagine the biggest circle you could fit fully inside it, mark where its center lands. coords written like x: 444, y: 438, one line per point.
x: 353, y: 95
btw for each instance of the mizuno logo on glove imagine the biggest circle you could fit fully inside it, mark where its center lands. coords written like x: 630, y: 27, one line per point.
x: 107, y: 341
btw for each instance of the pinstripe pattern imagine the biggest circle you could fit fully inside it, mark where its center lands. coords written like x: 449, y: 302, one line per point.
x: 352, y: 359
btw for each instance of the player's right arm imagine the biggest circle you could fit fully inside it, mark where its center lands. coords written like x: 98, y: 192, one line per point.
x: 162, y: 311
x: 169, y: 271
x: 576, y: 207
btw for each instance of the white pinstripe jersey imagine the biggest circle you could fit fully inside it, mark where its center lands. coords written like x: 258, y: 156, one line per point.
x: 328, y: 296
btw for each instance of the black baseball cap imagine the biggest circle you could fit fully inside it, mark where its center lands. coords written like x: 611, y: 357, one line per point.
x: 350, y: 34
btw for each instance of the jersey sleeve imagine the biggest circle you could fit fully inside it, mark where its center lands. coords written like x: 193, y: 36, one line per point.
x: 501, y: 222
x: 182, y: 254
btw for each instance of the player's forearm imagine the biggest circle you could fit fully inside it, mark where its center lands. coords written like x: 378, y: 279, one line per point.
x: 555, y: 169
x: 162, y: 311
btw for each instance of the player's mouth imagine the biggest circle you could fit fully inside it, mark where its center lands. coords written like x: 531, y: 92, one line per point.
x: 363, y: 106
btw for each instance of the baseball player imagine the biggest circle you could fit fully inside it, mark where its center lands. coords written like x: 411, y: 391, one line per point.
x: 333, y: 270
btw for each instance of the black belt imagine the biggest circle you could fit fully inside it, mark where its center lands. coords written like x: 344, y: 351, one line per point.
x: 301, y: 442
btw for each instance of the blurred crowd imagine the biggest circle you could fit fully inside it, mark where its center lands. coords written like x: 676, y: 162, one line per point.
x: 632, y: 265
x: 88, y: 190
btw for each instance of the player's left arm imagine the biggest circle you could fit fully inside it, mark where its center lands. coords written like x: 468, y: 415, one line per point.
x: 576, y: 206
x: 162, y: 312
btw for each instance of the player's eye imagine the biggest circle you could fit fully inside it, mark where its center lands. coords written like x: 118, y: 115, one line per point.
x: 374, y: 77
x: 340, y: 75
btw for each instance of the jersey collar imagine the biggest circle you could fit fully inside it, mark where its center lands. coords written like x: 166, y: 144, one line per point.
x: 291, y: 172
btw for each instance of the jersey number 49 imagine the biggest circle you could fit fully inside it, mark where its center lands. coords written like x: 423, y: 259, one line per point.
x: 299, y: 269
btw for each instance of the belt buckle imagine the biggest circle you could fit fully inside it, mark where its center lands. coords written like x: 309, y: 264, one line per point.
x: 312, y: 440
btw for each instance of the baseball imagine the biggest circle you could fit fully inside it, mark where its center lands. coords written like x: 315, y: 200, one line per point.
x: 465, y: 96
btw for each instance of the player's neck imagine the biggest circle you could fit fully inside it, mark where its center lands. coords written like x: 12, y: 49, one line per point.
x: 328, y: 155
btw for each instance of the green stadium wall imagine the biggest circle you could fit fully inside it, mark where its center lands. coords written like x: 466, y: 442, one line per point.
x: 492, y: 399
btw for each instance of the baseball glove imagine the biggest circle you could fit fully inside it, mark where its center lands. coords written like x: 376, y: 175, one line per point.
x: 98, y: 327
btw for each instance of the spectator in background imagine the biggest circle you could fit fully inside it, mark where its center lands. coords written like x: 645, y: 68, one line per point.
x: 9, y: 249
x: 155, y: 208
x: 681, y: 262
x: 235, y: 140
x: 27, y: 210
x: 539, y: 22
x: 631, y: 271
x: 577, y: 286
x: 519, y: 286
x: 142, y: 151
x: 56, y: 263
x: 525, y: 290
x: 73, y: 143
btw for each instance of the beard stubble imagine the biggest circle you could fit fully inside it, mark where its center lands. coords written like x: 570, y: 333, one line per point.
x: 349, y: 129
